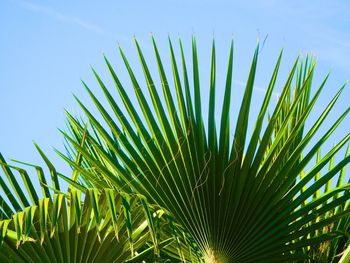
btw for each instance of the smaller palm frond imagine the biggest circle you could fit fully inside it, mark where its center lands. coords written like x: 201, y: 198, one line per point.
x: 84, y: 224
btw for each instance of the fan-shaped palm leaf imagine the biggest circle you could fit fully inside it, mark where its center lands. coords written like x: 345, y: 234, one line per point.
x: 242, y: 200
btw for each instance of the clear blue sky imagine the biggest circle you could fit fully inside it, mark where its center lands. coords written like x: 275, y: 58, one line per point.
x: 47, y: 46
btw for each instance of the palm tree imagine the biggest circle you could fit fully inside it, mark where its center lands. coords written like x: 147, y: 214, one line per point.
x: 250, y: 199
x: 159, y: 184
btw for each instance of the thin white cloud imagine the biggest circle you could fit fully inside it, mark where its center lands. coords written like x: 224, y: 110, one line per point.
x: 49, y: 11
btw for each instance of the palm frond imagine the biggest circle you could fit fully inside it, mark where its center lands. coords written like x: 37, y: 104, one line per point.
x: 83, y: 225
x: 246, y: 200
